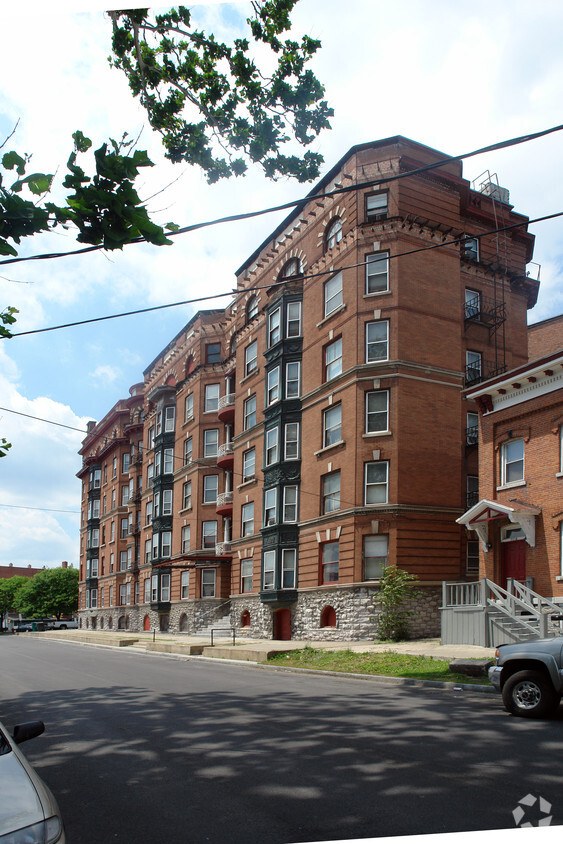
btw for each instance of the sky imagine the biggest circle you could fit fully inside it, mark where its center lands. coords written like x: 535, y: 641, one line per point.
x: 453, y: 76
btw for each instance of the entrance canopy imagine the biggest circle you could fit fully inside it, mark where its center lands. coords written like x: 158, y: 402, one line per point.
x: 477, y: 518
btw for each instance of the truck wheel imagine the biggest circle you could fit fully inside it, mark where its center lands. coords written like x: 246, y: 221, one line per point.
x: 529, y: 694
x: 62, y: 626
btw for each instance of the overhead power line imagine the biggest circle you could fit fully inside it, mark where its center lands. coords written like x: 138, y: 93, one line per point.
x: 42, y: 509
x: 39, y: 419
x: 521, y: 139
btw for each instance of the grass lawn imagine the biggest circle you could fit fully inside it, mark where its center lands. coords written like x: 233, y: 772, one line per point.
x: 385, y: 663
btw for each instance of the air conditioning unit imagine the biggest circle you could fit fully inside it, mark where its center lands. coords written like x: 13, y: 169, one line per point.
x: 496, y: 192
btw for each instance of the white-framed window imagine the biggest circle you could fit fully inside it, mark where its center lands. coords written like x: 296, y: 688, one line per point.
x: 148, y: 512
x: 269, y: 575
x: 96, y: 477
x: 274, y: 323
x: 290, y: 503
x: 94, y: 563
x: 210, y: 489
x: 377, y: 411
x: 376, y: 551
x: 156, y: 505
x: 333, y: 233
x: 332, y: 425
x: 164, y: 587
x: 189, y: 407
x: 472, y: 429
x: 150, y: 473
x: 187, y: 495
x: 293, y: 379
x: 125, y: 461
x: 94, y: 508
x: 93, y: 538
x: 289, y: 568
x: 150, y: 439
x: 472, y: 303
x: 293, y: 319
x: 113, y: 467
x: 376, y: 205
x: 166, y: 545
x: 291, y: 268
x: 211, y: 402
x: 272, y: 449
x: 333, y: 295
x: 377, y: 340
x: 158, y: 463
x: 291, y: 441
x: 125, y: 496
x: 186, y: 535
x: 208, y: 581
x: 113, y: 499
x: 167, y: 502
x: 148, y: 544
x: 561, y: 448
x: 251, y: 308
x: 249, y: 464
x: 270, y: 506
x: 93, y: 598
x: 251, y: 357
x: 188, y: 450
x: 330, y: 495
x: 247, y: 519
x: 376, y: 482
x: 473, y: 366
x: 330, y: 559
x: 512, y: 461
x: 470, y: 249
x: 169, y: 419
x: 185, y: 584
x: 246, y: 567
x: 154, y: 587
x: 377, y: 272
x: 168, y: 465
x: 147, y: 590
x: 210, y: 442
x: 250, y: 412
x: 273, y: 386
x: 123, y: 561
x: 209, y: 534
x: 333, y: 359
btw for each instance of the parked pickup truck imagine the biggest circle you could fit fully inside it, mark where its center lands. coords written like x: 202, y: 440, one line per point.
x: 529, y: 675
x: 63, y: 624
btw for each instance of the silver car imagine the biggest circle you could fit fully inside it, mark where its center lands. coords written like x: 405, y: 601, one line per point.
x: 28, y: 811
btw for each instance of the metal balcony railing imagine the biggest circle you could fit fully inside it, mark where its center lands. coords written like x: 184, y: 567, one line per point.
x: 226, y: 401
x: 224, y: 498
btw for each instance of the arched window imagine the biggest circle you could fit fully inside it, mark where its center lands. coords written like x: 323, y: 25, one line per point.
x: 251, y: 308
x: 328, y: 617
x: 291, y: 268
x: 245, y: 619
x: 183, y: 623
x: 333, y: 233
x: 121, y: 622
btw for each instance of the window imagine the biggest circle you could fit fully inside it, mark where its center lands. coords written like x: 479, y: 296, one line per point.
x: 125, y: 461
x: 187, y: 495
x: 330, y: 497
x: 154, y: 587
x: 472, y: 556
x: 211, y: 404
x: 124, y: 528
x: 333, y: 233
x: 112, y: 532
x: 124, y: 496
x: 376, y: 479
x: 185, y: 584
x: 168, y: 461
x: 377, y: 411
x: 208, y: 577
x: 123, y: 561
x: 273, y: 386
x: 293, y: 327
x: 248, y: 464
x: 472, y: 303
x: 188, y: 451
x: 169, y: 419
x: 269, y: 576
x: 158, y: 424
x: 470, y: 249
x: 292, y: 379
x: 330, y: 556
x: 151, y: 437
x: 272, y: 435
x: 333, y: 359
x: 189, y: 408
x: 167, y: 502
x: 210, y: 442
x: 376, y: 206
x: 376, y: 549
x: 251, y: 358
x: 473, y: 367
x: 377, y: 272
x: 150, y: 473
x: 210, y: 489
x: 251, y: 308
x: 213, y: 353
x: 472, y: 430
x: 332, y: 425
x: 247, y: 519
x: 96, y: 477
x: 157, y: 463
x: 114, y: 467
x: 164, y: 587
x: 292, y: 441
x: 561, y: 449
x: 512, y: 462
x: 209, y: 534
x: 270, y: 506
x: 333, y: 294
x: 291, y: 268
x: 156, y: 505
x: 122, y: 595
x: 274, y: 327
x: 147, y: 555
x: 250, y: 412
x: 147, y: 588
x: 377, y: 340
x: 290, y: 503
x: 186, y: 531
x: 289, y: 568
x: 148, y: 513
x: 166, y: 543
x: 246, y: 575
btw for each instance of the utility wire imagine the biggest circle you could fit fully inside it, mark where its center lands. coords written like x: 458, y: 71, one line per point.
x: 310, y: 197
x: 41, y: 509
x: 304, y: 277
x: 39, y: 419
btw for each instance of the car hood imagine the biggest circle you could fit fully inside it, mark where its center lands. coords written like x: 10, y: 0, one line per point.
x: 20, y: 804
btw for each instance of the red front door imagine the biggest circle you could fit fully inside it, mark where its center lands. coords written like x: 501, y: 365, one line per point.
x: 282, y: 624
x: 512, y: 561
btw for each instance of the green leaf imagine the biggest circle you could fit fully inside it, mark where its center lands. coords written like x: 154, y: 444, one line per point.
x: 11, y: 160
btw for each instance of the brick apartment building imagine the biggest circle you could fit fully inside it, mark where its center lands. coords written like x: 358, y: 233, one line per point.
x: 280, y: 452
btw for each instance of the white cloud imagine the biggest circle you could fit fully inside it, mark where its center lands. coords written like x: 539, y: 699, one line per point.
x: 105, y: 374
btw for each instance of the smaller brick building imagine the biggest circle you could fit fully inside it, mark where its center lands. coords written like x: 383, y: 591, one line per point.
x: 518, y: 521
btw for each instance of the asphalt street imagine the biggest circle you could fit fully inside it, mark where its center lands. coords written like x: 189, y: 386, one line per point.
x: 142, y: 748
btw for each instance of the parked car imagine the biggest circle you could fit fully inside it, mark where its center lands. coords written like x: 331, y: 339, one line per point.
x: 529, y: 675
x: 64, y: 624
x: 22, y: 627
x: 28, y: 810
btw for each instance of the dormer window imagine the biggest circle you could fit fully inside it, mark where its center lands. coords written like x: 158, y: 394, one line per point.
x: 291, y: 268
x: 376, y: 206
x: 333, y: 233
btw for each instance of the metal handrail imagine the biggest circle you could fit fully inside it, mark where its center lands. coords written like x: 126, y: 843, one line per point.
x: 233, y: 631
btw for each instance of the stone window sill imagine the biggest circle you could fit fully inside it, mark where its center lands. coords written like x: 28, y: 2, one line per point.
x: 321, y: 451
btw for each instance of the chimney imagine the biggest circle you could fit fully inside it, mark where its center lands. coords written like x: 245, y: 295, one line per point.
x: 64, y: 564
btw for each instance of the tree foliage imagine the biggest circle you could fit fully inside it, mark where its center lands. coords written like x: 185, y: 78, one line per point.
x: 49, y: 592
x: 203, y: 95
x: 396, y: 587
x: 9, y: 589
